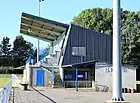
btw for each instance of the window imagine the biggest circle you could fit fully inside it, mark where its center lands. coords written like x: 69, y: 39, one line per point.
x: 74, y: 50
x: 82, y: 51
x: 79, y: 51
x: 68, y: 76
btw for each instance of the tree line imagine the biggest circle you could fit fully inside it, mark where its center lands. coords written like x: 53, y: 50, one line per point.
x: 17, y: 54
x: 101, y: 20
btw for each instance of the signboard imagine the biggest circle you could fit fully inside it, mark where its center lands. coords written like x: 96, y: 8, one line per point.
x: 71, y: 75
x: 110, y: 69
x: 100, y: 64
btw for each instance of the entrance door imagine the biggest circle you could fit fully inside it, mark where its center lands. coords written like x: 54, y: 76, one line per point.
x: 40, y: 77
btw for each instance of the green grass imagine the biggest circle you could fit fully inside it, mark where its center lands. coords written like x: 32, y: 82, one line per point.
x: 4, y: 81
x: 5, y: 78
x: 9, y: 75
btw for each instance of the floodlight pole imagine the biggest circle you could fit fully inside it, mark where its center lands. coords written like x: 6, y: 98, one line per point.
x: 117, y: 73
x: 38, y: 39
x: 39, y: 8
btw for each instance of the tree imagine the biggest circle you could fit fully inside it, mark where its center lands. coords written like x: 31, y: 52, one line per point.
x: 0, y: 49
x: 97, y: 19
x: 5, y: 46
x: 101, y: 20
x: 5, y: 52
x: 134, y: 53
x: 21, y: 50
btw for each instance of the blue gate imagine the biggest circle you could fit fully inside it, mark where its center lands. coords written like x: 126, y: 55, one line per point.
x: 39, y: 77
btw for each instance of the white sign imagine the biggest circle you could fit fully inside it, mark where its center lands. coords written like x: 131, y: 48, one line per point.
x: 100, y: 64
x: 80, y: 76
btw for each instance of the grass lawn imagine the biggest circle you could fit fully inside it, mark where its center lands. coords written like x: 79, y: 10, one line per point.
x: 5, y: 78
x: 4, y: 81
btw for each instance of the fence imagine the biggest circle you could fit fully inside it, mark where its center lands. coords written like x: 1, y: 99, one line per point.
x: 81, y: 84
x: 5, y: 93
x: 101, y: 88
x: 87, y: 84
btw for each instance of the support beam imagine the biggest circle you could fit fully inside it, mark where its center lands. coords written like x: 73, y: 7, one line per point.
x: 76, y: 70
x: 53, y: 76
x: 43, y: 22
x: 63, y: 79
x: 42, y: 29
x: 38, y: 51
x: 52, y: 47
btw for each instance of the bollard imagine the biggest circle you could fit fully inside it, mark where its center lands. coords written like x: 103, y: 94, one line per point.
x: 125, y: 89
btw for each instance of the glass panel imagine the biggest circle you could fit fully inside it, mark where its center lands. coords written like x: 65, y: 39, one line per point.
x: 82, y: 51
x: 79, y: 51
x: 74, y: 50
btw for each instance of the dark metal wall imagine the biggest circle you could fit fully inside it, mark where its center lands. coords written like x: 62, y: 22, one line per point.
x: 98, y: 46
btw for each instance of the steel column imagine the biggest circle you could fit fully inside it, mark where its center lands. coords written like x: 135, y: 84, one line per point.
x: 117, y: 74
x: 76, y: 69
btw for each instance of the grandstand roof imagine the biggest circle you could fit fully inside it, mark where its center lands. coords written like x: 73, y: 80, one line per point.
x: 41, y: 28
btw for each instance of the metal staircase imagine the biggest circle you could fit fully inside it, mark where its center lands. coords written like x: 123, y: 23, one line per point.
x: 52, y: 70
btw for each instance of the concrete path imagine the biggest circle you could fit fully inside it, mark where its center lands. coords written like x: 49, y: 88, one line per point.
x: 44, y: 95
x: 31, y: 96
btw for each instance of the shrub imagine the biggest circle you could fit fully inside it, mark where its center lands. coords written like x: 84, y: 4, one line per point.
x: 10, y: 70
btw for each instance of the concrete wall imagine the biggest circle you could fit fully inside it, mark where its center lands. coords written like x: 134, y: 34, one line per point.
x: 47, y: 77
x: 103, y: 76
x: 34, y: 77
x: 57, y: 44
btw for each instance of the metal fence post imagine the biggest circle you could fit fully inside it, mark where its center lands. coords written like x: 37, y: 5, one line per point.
x: 5, y: 101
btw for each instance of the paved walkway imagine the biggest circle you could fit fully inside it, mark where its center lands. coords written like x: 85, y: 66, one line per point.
x: 44, y: 95
x: 30, y: 96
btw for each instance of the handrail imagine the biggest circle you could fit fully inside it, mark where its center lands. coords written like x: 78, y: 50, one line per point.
x: 61, y: 52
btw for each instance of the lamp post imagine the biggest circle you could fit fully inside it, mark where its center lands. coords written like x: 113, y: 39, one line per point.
x: 117, y: 73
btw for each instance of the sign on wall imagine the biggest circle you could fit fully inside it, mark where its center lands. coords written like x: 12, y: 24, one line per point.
x: 71, y: 75
x: 110, y: 69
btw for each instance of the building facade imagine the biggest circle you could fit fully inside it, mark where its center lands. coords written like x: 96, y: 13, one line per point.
x: 104, y: 78
x: 70, y: 44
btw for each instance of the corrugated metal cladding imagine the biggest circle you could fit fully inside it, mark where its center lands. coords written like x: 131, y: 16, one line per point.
x: 98, y: 46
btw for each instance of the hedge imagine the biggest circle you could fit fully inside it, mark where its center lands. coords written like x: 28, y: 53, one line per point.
x: 10, y: 70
